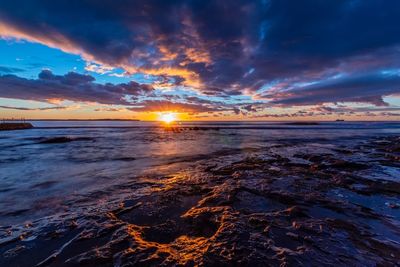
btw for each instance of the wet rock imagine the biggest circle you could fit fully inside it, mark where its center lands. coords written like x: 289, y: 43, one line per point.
x: 64, y: 139
x: 252, y: 208
x: 347, y: 165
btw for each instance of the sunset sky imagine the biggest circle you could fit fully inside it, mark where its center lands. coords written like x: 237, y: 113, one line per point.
x: 204, y: 60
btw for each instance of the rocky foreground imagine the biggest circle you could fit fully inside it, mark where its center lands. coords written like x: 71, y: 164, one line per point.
x: 289, y: 204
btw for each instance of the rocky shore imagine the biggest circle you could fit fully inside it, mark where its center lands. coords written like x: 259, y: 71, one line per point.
x: 288, y: 204
x: 15, y: 126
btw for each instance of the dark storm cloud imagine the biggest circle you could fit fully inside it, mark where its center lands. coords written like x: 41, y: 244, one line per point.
x: 224, y: 47
x: 71, y: 86
x: 366, y: 88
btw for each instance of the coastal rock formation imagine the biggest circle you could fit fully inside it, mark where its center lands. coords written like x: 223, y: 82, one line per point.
x: 282, y: 205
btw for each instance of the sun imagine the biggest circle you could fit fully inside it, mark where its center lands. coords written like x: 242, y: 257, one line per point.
x: 167, y: 117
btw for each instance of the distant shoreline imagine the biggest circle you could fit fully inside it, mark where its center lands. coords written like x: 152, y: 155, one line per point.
x: 214, y: 121
x: 81, y: 120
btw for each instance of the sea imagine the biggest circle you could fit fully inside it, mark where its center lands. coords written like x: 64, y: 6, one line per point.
x: 65, y: 167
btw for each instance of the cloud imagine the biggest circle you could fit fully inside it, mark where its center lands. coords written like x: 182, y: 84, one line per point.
x: 101, y: 69
x: 25, y: 108
x: 76, y: 87
x: 352, y: 110
x: 165, y: 105
x: 4, y: 69
x: 110, y: 109
x: 365, y: 88
x: 71, y: 86
x: 205, y: 46
x: 250, y: 108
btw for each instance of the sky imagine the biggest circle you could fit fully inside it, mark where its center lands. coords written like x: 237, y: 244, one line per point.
x: 201, y: 60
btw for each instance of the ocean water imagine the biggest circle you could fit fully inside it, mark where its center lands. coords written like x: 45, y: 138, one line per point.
x: 36, y: 178
x: 338, y: 180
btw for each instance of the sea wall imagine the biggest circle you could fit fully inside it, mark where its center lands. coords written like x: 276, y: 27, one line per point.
x: 15, y: 126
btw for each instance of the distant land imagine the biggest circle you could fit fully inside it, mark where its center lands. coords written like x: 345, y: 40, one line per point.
x: 82, y: 120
